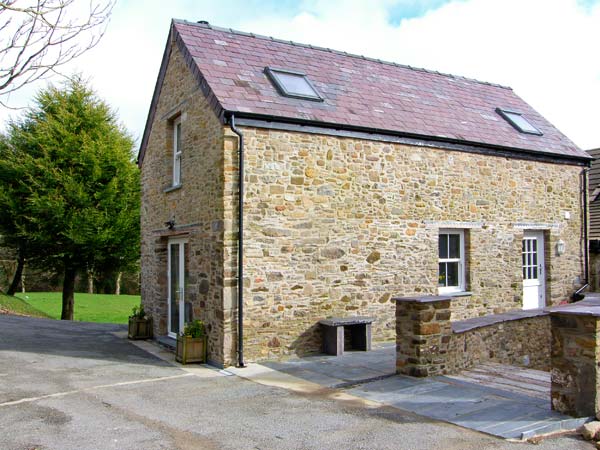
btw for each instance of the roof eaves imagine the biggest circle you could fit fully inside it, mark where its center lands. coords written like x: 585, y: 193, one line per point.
x: 337, y: 127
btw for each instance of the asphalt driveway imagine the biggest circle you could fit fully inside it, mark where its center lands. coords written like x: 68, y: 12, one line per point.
x: 84, y: 386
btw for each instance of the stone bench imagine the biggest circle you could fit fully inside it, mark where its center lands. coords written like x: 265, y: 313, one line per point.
x: 333, y: 333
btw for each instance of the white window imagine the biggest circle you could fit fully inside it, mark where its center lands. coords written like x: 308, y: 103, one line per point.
x: 451, y: 261
x: 177, y: 152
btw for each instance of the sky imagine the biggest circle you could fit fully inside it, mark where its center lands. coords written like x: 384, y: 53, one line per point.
x: 548, y: 51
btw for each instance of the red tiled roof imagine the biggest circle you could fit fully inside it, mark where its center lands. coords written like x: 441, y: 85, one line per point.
x: 361, y: 92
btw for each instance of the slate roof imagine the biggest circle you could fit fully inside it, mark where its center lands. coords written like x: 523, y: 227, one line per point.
x: 358, y: 92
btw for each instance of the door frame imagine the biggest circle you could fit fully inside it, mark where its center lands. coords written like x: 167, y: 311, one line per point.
x: 539, y: 235
x: 181, y: 276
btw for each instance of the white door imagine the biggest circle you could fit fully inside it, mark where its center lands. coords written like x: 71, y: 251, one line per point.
x: 534, y: 289
x: 176, y: 280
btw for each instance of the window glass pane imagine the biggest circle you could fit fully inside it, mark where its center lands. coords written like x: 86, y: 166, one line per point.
x: 178, y: 137
x: 295, y: 84
x: 174, y: 287
x: 454, y: 245
x: 534, y: 245
x: 443, y: 246
x: 521, y: 122
x: 442, y: 275
x: 177, y: 170
x: 452, y: 274
x: 535, y: 273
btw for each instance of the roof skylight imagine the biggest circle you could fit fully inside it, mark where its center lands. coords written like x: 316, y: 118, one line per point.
x: 519, y: 122
x: 293, y: 84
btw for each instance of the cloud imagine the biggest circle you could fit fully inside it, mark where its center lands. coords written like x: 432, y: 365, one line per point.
x: 547, y: 51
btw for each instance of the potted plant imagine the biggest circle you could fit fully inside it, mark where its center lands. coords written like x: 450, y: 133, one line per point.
x: 191, y: 343
x: 140, y: 325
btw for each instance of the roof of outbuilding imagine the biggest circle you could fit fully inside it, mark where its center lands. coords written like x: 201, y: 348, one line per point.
x: 358, y: 92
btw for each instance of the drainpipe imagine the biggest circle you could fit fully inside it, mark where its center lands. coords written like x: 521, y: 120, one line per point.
x: 577, y: 295
x: 240, y: 280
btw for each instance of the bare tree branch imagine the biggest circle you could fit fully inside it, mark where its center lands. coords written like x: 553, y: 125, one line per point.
x: 37, y: 37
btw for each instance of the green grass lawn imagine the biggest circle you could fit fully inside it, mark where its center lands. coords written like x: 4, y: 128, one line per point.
x: 15, y: 305
x: 88, y: 307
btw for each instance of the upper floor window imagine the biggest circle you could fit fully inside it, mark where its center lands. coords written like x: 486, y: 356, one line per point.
x: 293, y: 84
x: 177, y: 152
x: 451, y: 261
x: 518, y: 121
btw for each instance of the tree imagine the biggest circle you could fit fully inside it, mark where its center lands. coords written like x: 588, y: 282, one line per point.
x: 71, y: 166
x: 12, y: 201
x: 37, y: 37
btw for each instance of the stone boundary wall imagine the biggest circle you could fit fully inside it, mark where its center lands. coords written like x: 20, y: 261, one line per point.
x: 518, y: 342
x: 427, y: 343
x: 575, y: 358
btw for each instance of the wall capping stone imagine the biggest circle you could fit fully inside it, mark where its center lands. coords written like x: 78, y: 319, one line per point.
x: 462, y: 326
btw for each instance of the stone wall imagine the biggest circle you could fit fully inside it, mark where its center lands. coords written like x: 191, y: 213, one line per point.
x: 428, y: 343
x: 575, y: 358
x: 518, y: 342
x: 423, y: 335
x: 337, y: 226
x: 196, y: 207
x: 595, y: 271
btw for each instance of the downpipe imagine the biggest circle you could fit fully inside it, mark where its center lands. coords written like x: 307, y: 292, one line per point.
x: 578, y: 294
x: 240, y: 281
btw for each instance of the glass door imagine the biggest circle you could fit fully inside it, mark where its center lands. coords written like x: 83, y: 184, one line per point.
x: 533, y: 270
x: 176, y: 291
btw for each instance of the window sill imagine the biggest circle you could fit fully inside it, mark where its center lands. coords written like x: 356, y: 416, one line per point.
x: 172, y: 188
x: 457, y: 294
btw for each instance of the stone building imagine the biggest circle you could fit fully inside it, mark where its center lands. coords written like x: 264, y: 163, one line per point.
x: 363, y: 180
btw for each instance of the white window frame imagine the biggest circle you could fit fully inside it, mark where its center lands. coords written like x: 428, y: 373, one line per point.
x: 462, y: 285
x: 177, y: 129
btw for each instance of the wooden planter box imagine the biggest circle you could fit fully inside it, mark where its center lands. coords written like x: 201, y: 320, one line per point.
x: 140, y: 328
x: 190, y: 350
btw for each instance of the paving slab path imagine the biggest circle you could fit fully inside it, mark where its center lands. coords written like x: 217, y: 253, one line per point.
x: 66, y: 385
x: 508, y: 402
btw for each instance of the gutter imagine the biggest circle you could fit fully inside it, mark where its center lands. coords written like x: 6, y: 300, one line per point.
x: 240, y: 275
x: 578, y: 294
x: 338, y: 128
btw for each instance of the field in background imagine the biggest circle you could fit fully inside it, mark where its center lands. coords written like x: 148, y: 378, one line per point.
x: 88, y: 307
x: 15, y: 305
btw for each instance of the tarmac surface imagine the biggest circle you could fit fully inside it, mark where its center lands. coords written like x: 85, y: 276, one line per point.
x: 66, y: 385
